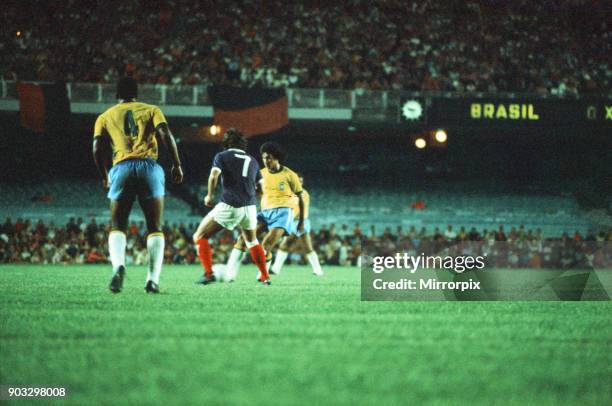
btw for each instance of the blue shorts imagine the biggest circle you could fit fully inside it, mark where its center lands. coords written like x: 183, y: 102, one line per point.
x: 276, y: 218
x: 136, y: 177
x: 294, y: 228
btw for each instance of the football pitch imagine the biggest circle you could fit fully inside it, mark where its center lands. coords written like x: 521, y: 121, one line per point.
x: 303, y: 340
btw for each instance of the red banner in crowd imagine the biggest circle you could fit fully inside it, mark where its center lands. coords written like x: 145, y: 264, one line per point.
x: 32, y: 106
x: 253, y: 111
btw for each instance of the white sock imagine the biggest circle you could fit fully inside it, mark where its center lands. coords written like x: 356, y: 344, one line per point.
x: 155, y: 247
x: 116, y: 248
x: 233, y: 262
x: 313, y: 258
x: 279, y: 261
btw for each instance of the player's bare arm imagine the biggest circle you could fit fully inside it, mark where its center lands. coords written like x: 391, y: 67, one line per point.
x: 301, y: 214
x: 166, y: 137
x: 213, y: 180
x: 101, y: 146
x: 259, y: 189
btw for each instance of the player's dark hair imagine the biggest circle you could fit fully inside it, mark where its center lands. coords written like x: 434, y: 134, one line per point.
x: 234, y: 139
x: 127, y: 88
x: 273, y: 149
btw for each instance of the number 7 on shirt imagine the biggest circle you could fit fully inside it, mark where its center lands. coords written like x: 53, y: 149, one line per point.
x: 245, y: 166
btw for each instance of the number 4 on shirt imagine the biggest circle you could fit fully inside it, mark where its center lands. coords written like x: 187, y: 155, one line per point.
x: 129, y: 125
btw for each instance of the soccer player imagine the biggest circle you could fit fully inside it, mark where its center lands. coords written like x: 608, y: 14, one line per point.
x: 130, y: 127
x: 239, y: 176
x: 296, y: 236
x: 280, y: 186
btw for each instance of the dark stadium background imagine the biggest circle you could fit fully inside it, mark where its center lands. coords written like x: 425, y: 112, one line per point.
x: 565, y: 160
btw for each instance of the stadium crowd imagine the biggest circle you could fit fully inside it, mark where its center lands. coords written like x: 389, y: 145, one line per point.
x: 80, y: 242
x: 543, y: 47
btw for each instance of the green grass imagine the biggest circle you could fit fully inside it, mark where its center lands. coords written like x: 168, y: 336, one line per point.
x: 303, y: 340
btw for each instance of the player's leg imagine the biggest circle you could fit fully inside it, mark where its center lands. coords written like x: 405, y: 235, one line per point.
x: 121, y: 195
x: 279, y: 221
x: 239, y: 251
x: 311, y: 254
x: 208, y: 227
x: 282, y: 253
x: 258, y: 255
x: 235, y: 257
x: 151, y: 189
x: 153, y: 210
x: 249, y: 228
x: 117, y: 241
x: 270, y: 241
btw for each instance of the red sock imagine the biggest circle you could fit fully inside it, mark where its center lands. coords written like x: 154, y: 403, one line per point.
x: 205, y: 254
x: 259, y: 257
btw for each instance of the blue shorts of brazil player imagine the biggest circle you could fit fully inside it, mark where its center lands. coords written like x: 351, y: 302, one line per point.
x: 294, y: 228
x: 136, y: 177
x: 276, y: 218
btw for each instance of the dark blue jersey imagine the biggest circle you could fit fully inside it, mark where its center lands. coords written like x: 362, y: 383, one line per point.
x: 239, y: 177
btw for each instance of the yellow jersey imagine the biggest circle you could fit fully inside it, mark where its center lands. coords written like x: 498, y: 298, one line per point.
x: 131, y: 127
x: 296, y: 207
x: 279, y: 188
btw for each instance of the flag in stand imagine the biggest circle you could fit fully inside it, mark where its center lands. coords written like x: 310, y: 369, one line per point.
x: 43, y: 105
x: 253, y: 111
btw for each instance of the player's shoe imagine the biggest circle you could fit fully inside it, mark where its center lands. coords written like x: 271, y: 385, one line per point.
x: 116, y: 283
x: 151, y: 287
x: 206, y: 280
x: 318, y: 272
x: 258, y: 279
x: 266, y: 282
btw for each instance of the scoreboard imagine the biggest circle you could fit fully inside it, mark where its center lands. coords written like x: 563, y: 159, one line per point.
x: 508, y: 112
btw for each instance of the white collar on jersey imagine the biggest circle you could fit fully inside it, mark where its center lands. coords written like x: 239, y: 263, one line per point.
x: 235, y: 149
